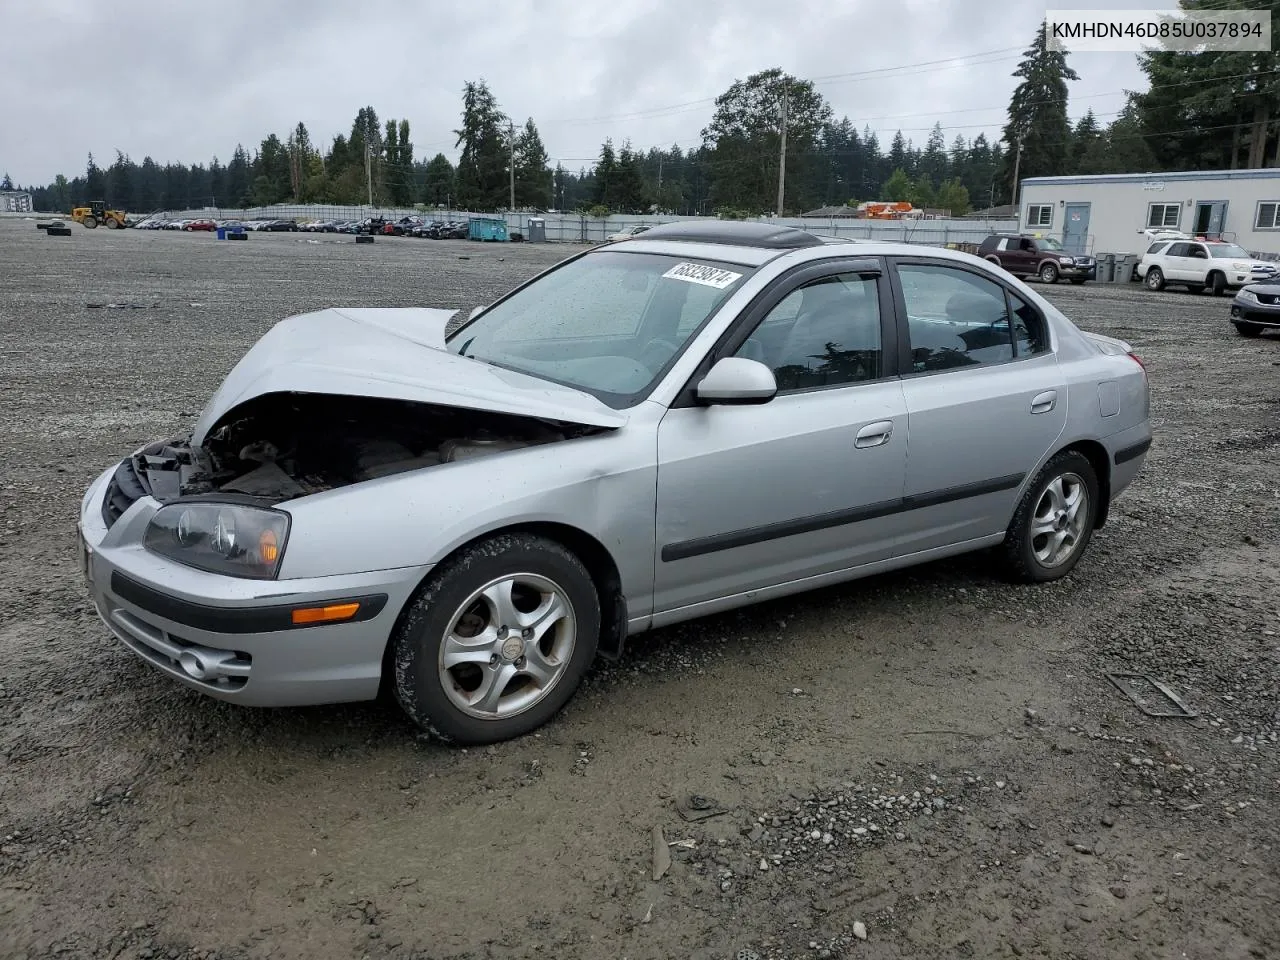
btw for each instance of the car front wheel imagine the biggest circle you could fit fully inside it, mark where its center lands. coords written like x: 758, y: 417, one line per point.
x: 1248, y: 330
x: 497, y: 640
x: 1049, y: 273
x: 1155, y: 279
x: 1054, y: 521
x: 1218, y: 284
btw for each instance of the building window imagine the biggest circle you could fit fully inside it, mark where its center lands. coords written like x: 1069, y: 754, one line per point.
x: 1268, y: 216
x: 1164, y: 215
x: 1040, y: 215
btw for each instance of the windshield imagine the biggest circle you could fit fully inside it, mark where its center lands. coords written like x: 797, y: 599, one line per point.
x: 1222, y: 250
x: 608, y: 323
x: 1050, y: 244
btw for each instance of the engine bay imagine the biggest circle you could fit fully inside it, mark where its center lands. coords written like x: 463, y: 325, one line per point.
x: 281, y: 446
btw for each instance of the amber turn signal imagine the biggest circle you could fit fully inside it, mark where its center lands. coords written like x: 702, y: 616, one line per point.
x: 333, y: 614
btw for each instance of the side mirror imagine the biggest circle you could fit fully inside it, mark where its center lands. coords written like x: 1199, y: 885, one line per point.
x: 735, y: 380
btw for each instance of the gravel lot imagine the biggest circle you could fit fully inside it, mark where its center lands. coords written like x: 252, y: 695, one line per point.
x: 933, y: 761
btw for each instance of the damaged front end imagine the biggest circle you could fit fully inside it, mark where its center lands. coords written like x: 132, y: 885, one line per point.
x: 281, y: 446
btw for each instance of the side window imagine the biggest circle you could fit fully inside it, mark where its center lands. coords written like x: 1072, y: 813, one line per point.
x: 1197, y: 251
x: 1157, y: 248
x: 1178, y: 250
x: 1003, y: 244
x: 1029, y: 334
x: 822, y: 334
x: 954, y: 318
x: 1028, y: 245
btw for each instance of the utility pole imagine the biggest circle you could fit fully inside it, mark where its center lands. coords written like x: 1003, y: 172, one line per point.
x: 660, y: 182
x: 782, y: 152
x: 368, y: 169
x: 511, y: 135
x: 1017, y: 162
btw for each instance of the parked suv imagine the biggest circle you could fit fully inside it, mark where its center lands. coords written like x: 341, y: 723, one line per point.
x: 1197, y: 264
x: 1042, y: 257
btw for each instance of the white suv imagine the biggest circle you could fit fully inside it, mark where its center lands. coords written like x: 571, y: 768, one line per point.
x: 1197, y: 264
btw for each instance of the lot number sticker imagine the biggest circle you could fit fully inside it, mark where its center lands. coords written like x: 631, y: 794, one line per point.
x: 699, y: 273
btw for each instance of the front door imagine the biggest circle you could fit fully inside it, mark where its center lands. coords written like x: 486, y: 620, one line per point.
x: 757, y: 495
x: 986, y: 402
x: 1210, y: 217
x: 1075, y: 229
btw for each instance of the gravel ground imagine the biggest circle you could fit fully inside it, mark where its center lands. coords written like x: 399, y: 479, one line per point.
x: 924, y: 764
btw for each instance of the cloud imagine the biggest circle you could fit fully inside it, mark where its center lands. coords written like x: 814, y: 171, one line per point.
x: 185, y: 82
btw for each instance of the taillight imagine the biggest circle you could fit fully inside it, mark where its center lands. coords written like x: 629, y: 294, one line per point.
x: 1138, y: 360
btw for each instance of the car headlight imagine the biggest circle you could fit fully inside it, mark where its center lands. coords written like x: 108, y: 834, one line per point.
x: 1067, y: 260
x: 227, y: 538
x: 1240, y: 266
x: 1248, y: 295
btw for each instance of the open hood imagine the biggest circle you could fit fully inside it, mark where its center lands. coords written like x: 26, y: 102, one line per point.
x: 396, y: 354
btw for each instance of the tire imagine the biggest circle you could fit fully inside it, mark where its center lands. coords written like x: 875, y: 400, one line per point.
x: 1248, y: 330
x: 90, y: 221
x: 1217, y: 283
x: 1155, y: 279
x: 995, y: 260
x: 463, y: 600
x: 1029, y: 556
x: 1048, y: 273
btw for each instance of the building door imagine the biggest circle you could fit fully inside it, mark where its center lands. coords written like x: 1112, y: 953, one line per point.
x: 1210, y: 217
x: 1075, y: 229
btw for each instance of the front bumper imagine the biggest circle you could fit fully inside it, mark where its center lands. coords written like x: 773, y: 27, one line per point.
x: 1087, y: 271
x: 1260, y: 315
x: 232, y: 638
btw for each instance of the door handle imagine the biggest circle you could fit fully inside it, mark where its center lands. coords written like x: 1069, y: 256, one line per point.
x: 1044, y: 402
x: 874, y: 434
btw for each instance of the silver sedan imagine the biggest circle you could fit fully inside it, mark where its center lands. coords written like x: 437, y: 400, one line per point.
x: 693, y: 420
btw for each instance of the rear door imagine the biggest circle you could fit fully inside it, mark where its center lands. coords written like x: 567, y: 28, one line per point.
x: 986, y: 399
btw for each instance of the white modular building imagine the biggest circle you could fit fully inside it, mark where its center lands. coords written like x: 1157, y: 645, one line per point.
x: 1108, y: 213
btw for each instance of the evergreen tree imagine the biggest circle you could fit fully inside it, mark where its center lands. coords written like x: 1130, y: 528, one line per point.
x: 1038, y: 113
x: 95, y: 182
x: 439, y: 187
x: 6, y: 183
x: 933, y: 162
x: 533, y: 179
x: 482, y: 167
x: 606, y: 175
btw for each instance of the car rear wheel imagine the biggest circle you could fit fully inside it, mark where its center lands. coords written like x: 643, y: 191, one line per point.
x: 1054, y: 522
x: 1155, y: 279
x: 1248, y: 329
x: 1049, y: 273
x: 497, y: 640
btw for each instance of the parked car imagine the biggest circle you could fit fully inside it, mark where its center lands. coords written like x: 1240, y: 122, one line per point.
x: 1042, y: 257
x: 201, y: 224
x: 711, y: 415
x: 280, y: 226
x: 1256, y: 308
x: 1197, y: 264
x: 626, y: 233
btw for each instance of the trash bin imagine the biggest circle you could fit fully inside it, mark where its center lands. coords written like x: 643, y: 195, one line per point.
x: 1124, y: 267
x: 1106, y: 267
x: 537, y: 232
x: 221, y: 232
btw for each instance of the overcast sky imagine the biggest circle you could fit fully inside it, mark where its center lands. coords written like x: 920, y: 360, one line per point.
x: 187, y: 81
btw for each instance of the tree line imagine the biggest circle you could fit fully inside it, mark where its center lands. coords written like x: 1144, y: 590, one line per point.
x: 1201, y: 111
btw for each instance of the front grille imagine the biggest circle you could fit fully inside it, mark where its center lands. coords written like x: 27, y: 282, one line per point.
x: 126, y: 486
x: 1268, y: 298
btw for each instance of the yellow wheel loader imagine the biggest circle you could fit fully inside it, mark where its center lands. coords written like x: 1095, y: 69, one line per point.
x: 95, y: 213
